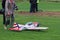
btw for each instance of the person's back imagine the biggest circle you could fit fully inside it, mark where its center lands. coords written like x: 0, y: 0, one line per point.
x: 9, y: 6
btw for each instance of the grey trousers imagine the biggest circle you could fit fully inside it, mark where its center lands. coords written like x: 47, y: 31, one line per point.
x: 9, y: 20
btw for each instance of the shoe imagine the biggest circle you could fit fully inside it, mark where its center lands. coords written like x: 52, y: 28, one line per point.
x: 5, y: 27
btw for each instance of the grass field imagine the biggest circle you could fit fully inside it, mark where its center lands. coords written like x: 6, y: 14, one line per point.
x: 53, y: 22
x: 45, y: 6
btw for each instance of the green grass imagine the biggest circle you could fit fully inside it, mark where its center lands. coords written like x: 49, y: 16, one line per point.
x: 53, y: 22
x: 45, y: 6
x: 51, y: 34
x: 50, y: 6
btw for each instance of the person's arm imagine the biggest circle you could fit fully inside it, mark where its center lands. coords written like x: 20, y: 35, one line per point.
x: 3, y: 4
x: 6, y: 7
x: 15, y: 6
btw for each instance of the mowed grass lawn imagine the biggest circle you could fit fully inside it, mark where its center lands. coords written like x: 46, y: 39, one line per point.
x: 53, y: 22
x: 45, y: 6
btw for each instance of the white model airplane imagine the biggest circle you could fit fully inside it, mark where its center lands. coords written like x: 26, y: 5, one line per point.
x: 27, y: 26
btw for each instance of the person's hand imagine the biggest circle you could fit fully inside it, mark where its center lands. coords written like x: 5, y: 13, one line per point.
x: 8, y: 14
x: 16, y: 8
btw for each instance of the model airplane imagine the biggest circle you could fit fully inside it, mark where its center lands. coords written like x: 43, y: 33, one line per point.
x: 27, y: 26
